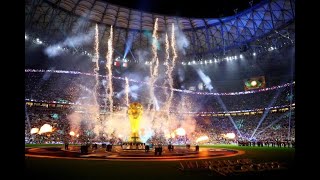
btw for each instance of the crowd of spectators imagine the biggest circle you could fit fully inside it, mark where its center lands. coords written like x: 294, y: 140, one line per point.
x: 36, y: 117
x: 73, y: 88
x: 274, y: 128
x: 53, y: 87
x: 272, y: 98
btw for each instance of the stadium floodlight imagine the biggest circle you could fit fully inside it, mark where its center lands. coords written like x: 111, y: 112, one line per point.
x: 253, y: 83
x: 38, y: 41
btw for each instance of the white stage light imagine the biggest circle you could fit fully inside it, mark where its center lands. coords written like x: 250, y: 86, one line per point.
x: 253, y: 83
x: 230, y: 135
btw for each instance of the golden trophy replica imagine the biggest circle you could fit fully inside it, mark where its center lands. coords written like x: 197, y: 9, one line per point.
x: 135, y: 114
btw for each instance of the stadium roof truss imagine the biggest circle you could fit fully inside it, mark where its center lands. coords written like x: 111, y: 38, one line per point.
x: 54, y: 20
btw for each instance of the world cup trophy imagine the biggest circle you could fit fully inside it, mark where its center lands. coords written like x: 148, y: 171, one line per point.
x: 135, y: 114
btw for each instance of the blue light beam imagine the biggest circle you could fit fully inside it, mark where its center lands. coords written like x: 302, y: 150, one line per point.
x: 273, y: 122
x: 128, y: 45
x: 266, y: 112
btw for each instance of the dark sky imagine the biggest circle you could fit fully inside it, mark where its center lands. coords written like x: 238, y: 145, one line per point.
x: 189, y: 8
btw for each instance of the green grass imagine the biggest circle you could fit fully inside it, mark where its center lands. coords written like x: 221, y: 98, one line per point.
x: 96, y: 169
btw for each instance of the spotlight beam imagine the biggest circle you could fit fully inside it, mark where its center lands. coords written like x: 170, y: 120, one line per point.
x: 225, y: 109
x: 207, y: 81
x: 114, y: 50
x: 273, y: 122
x: 134, y: 58
x: 266, y: 112
x: 128, y: 45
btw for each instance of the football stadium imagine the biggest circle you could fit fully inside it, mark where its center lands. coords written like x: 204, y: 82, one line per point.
x: 123, y: 89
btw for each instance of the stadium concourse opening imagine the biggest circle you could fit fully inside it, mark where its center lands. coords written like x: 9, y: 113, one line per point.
x: 120, y: 83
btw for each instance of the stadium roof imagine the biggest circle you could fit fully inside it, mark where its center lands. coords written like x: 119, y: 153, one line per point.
x: 55, y: 20
x: 192, y: 9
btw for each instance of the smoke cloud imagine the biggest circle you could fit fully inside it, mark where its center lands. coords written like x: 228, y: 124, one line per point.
x: 70, y: 42
x: 205, y: 79
x: 181, y: 40
x: 142, y: 55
